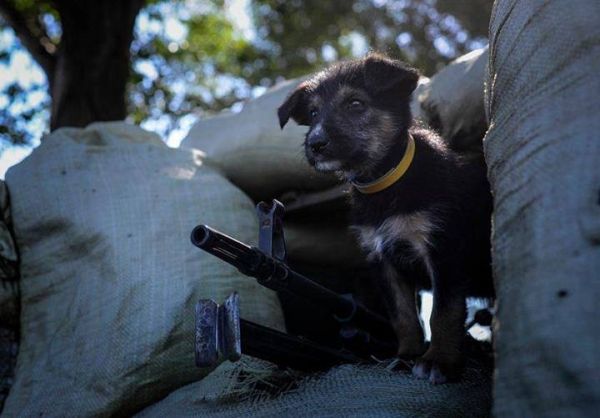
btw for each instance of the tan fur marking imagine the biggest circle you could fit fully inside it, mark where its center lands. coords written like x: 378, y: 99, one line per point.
x: 403, y: 311
x: 315, y: 101
x: 345, y: 92
x: 379, y: 143
x: 415, y: 228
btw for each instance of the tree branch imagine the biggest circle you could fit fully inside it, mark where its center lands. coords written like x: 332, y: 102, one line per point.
x: 34, y: 44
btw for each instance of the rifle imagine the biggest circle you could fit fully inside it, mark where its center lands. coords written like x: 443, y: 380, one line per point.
x: 221, y: 334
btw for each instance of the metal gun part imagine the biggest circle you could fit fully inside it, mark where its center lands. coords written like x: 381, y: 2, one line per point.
x: 271, y: 240
x: 222, y: 335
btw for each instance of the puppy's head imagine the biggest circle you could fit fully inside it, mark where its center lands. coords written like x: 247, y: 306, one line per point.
x: 355, y: 111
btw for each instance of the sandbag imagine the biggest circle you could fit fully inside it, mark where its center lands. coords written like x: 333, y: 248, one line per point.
x: 265, y: 161
x: 109, y: 277
x: 543, y: 154
x: 452, y: 101
x: 9, y: 293
x: 347, y: 391
x: 327, y: 244
x: 254, y: 153
x: 8, y: 263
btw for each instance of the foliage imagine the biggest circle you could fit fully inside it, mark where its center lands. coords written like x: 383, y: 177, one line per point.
x: 301, y: 32
x: 211, y: 63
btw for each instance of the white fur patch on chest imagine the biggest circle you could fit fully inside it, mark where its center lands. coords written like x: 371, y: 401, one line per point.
x: 414, y: 228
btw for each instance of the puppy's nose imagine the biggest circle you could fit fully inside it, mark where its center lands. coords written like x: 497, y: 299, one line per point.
x: 317, y: 146
x: 317, y: 141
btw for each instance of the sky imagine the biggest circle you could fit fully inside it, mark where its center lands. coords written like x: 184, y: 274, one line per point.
x: 24, y: 71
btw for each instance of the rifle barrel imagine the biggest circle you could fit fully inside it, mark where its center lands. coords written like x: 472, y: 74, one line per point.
x: 226, y: 248
x: 278, y: 276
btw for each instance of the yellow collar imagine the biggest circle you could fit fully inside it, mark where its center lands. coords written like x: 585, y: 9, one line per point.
x: 391, y: 176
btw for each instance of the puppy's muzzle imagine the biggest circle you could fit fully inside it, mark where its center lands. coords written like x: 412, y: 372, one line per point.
x: 317, y: 141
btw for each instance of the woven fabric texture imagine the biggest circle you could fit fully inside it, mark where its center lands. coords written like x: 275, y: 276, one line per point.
x: 344, y: 391
x: 109, y: 277
x: 452, y: 101
x: 543, y: 153
x: 9, y: 297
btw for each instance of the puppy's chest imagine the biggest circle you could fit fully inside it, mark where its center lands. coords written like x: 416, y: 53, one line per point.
x: 407, y: 236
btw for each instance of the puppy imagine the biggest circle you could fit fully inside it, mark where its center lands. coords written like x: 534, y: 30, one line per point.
x: 421, y: 212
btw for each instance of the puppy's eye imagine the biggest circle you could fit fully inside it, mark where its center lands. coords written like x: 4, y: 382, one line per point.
x: 356, y: 105
x: 314, y: 113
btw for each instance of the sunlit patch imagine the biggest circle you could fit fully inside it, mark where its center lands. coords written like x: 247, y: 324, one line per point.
x: 11, y: 156
x: 328, y: 165
x: 318, y: 129
x: 481, y: 333
x: 425, y: 314
x: 198, y: 156
x: 180, y: 173
x: 239, y: 13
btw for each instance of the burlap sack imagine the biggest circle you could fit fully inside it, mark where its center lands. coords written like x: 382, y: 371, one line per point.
x: 109, y: 277
x: 254, y: 153
x: 8, y: 263
x: 265, y: 161
x: 344, y: 391
x: 543, y: 153
x: 323, y: 244
x: 452, y: 101
x: 9, y: 293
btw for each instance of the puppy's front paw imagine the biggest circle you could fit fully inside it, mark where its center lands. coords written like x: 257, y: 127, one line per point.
x: 437, y: 371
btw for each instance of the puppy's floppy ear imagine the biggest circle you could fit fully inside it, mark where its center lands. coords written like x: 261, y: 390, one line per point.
x: 384, y: 74
x: 295, y: 106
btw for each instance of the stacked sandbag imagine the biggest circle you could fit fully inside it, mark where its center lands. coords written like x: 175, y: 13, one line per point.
x: 266, y: 162
x: 346, y: 391
x: 326, y: 244
x: 8, y: 262
x: 102, y: 219
x: 254, y: 153
x: 9, y: 297
x: 452, y: 101
x: 543, y: 153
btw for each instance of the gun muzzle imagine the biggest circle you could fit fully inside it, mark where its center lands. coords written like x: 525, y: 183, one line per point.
x: 245, y: 258
x: 201, y: 236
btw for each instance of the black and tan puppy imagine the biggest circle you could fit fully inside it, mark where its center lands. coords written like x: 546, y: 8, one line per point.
x: 421, y: 212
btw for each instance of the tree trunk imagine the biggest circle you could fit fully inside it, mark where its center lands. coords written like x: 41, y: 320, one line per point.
x: 92, y: 61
